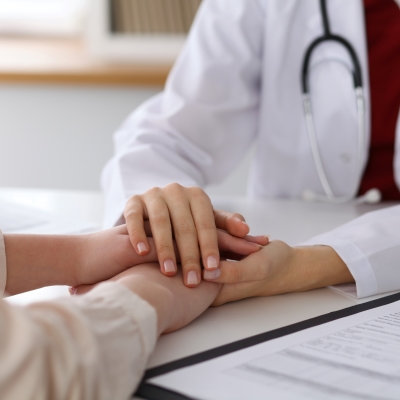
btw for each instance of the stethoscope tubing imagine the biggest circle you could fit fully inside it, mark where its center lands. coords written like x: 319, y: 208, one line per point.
x: 360, y: 106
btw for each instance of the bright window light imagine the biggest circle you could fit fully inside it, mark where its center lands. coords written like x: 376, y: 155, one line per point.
x: 42, y: 17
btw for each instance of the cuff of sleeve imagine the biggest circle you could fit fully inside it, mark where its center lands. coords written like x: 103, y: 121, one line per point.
x: 3, y: 265
x: 139, y: 310
x: 357, y: 263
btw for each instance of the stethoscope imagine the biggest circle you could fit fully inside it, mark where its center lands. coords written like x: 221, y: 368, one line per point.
x: 373, y: 195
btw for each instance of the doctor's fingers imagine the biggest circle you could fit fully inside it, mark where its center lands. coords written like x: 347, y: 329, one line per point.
x: 135, y: 212
x: 194, y: 230
x: 251, y: 268
x: 161, y: 228
x: 233, y: 223
x: 238, y: 246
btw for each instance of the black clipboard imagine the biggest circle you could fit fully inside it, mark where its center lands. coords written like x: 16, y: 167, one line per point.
x: 152, y: 392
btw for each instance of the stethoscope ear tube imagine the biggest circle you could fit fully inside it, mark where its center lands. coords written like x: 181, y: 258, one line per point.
x: 328, y: 36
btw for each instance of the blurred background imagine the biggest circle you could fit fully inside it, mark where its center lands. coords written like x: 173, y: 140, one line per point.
x: 70, y: 72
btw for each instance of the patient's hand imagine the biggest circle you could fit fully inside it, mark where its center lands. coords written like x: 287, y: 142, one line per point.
x: 102, y: 255
x: 105, y: 254
x: 279, y: 268
x: 175, y: 304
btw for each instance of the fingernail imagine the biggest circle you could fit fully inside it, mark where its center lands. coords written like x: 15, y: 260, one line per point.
x: 169, y: 266
x: 192, y: 278
x: 212, y: 262
x: 72, y: 291
x: 261, y: 237
x: 211, y: 275
x: 142, y: 248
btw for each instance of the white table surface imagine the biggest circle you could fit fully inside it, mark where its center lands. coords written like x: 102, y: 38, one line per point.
x: 288, y: 220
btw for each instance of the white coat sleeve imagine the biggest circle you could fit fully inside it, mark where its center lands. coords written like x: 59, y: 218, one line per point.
x: 94, y: 346
x: 197, y: 130
x: 370, y: 247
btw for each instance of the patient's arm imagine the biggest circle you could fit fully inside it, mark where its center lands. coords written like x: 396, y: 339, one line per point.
x: 176, y: 305
x: 35, y: 261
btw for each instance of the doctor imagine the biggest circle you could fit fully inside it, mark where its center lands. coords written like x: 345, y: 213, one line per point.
x: 315, y: 84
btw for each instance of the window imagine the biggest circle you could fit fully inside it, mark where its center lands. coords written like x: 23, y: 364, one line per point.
x: 42, y: 17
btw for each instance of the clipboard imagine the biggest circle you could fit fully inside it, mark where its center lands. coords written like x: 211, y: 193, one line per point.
x: 149, y: 391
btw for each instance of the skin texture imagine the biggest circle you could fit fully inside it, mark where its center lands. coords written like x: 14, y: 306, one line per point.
x: 279, y: 268
x: 176, y: 305
x: 186, y: 215
x: 35, y: 261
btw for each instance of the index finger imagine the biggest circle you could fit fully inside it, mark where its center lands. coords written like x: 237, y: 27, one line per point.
x: 134, y: 217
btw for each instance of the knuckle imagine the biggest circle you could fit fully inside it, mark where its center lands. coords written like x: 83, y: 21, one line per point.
x: 164, y: 248
x: 237, y: 274
x: 173, y: 187
x: 159, y: 219
x: 198, y: 192
x: 131, y: 212
x: 184, y: 229
x: 135, y: 232
x: 209, y: 248
x: 134, y: 199
x: 153, y: 192
x: 132, y: 202
x: 191, y: 261
x: 206, y: 225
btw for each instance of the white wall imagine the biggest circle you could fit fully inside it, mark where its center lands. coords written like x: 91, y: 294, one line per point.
x: 60, y: 137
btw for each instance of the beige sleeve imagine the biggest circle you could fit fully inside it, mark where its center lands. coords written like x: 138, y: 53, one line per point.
x: 94, y: 346
x: 3, y: 268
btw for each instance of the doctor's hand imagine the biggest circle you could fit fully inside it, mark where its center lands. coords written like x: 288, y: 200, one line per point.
x: 102, y: 255
x: 279, y: 268
x: 186, y: 215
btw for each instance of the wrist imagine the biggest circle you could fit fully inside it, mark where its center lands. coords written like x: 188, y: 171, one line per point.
x: 319, y: 266
x: 158, y: 296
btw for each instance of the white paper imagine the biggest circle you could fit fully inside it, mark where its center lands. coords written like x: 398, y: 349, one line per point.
x: 356, y: 357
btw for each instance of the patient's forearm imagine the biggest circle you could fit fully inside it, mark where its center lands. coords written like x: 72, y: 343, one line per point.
x: 35, y: 261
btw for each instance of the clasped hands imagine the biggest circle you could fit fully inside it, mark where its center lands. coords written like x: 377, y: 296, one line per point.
x: 206, y: 258
x: 177, y: 226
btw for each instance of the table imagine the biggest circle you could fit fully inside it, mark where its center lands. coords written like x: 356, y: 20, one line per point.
x: 288, y: 220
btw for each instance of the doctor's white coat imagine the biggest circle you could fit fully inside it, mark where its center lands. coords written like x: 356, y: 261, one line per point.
x: 237, y: 82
